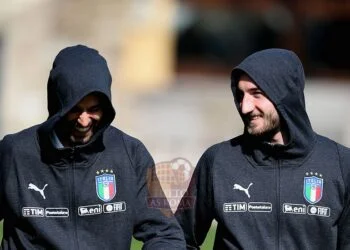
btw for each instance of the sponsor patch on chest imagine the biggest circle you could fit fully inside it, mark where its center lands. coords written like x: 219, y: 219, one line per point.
x: 313, y: 191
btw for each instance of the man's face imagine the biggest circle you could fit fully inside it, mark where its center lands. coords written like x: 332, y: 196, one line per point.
x: 83, y: 119
x: 260, y: 116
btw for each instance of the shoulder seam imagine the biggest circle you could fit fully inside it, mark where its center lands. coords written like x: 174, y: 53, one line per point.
x: 341, y: 167
x: 127, y: 151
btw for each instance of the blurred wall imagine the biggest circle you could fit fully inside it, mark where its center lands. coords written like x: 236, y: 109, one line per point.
x: 175, y: 113
x: 135, y: 37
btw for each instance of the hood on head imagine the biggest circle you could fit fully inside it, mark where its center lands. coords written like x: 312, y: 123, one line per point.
x: 280, y: 75
x: 77, y: 71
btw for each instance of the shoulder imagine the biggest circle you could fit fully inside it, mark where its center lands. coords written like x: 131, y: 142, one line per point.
x: 344, y: 156
x: 22, y: 140
x: 329, y: 150
x: 325, y: 141
x: 224, y: 151
x: 116, y: 138
x: 328, y: 145
x: 344, y: 163
x: 114, y: 133
x: 223, y: 148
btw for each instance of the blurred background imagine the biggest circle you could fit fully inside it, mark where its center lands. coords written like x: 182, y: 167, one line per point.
x: 171, y: 62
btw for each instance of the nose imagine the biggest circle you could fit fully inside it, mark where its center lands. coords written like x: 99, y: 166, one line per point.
x: 246, y: 105
x: 84, y: 119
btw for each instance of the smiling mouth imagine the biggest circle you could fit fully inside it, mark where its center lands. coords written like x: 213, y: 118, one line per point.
x: 82, y: 129
x: 252, y: 118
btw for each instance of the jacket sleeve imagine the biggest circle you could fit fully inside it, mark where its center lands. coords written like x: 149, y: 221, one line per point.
x: 196, y: 220
x: 6, y: 153
x: 344, y: 222
x: 2, y: 164
x: 155, y: 224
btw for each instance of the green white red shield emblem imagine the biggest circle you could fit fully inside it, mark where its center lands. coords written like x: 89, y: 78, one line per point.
x: 313, y: 189
x: 105, y: 186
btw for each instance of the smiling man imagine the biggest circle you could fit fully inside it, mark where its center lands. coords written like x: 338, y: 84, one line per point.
x: 81, y: 122
x: 279, y: 185
x: 75, y: 181
x: 259, y: 115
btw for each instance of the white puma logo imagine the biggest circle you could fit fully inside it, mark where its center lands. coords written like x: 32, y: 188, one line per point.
x: 245, y: 190
x: 35, y: 188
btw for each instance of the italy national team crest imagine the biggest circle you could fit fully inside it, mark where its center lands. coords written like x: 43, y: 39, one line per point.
x: 105, y: 185
x: 313, y: 188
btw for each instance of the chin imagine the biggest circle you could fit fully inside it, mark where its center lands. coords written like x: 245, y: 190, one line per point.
x: 80, y: 141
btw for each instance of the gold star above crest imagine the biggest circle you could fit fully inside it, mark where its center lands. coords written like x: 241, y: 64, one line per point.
x: 102, y: 171
x: 97, y: 172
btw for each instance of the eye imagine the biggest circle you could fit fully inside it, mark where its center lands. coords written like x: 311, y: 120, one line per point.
x: 258, y: 93
x: 75, y: 109
x: 239, y: 95
x: 95, y: 109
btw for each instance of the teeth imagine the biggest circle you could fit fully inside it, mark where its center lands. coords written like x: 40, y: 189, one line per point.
x: 84, y: 129
x: 254, y: 117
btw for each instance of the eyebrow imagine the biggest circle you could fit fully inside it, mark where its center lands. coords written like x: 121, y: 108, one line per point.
x: 98, y: 105
x: 251, y: 89
x: 255, y: 89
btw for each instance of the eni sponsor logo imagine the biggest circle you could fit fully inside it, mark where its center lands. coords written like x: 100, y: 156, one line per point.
x: 290, y: 208
x: 262, y: 207
x: 99, y: 209
x: 90, y: 210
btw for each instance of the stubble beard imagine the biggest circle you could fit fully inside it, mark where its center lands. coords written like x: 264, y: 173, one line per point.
x: 269, y: 128
x: 80, y: 140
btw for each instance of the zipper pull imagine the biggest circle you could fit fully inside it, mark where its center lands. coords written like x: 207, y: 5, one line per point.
x: 72, y: 152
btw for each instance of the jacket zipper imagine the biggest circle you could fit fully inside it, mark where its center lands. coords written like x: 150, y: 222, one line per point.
x: 73, y: 205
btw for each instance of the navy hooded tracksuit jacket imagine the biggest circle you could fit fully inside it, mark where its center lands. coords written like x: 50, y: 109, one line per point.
x: 92, y: 196
x: 263, y: 196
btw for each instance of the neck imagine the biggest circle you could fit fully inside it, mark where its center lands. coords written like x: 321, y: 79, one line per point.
x: 278, y: 138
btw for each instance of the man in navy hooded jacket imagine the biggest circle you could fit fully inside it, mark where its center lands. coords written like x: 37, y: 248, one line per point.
x: 74, y: 181
x: 279, y: 185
